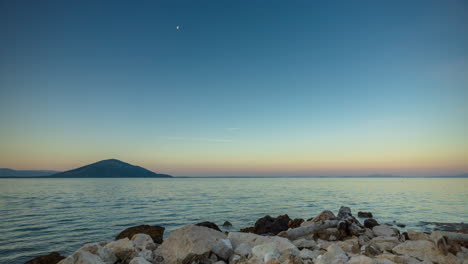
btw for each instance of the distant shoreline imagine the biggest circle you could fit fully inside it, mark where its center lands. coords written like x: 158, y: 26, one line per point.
x: 234, y: 177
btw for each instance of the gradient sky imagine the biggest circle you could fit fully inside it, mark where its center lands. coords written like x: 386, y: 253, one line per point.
x: 242, y: 88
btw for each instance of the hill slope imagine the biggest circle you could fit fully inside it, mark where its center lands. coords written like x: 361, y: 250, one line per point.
x: 110, y: 168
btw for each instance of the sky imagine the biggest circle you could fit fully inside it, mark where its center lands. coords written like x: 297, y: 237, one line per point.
x: 236, y: 88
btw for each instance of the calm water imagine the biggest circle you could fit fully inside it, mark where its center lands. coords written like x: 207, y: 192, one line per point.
x: 38, y: 216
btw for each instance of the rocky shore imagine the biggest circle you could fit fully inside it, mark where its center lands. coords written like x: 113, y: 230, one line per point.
x: 324, y: 239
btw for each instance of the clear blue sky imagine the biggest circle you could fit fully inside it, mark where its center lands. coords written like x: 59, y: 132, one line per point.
x: 241, y: 88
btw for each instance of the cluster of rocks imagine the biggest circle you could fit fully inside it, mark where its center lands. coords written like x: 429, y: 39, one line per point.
x: 324, y: 239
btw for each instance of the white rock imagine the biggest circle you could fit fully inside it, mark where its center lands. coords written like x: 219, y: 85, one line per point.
x: 139, y: 260
x: 190, y: 242
x: 384, y: 242
x: 308, y: 254
x: 334, y: 255
x: 384, y: 230
x: 98, y: 248
x: 305, y: 243
x: 223, y: 249
x: 269, y: 256
x: 146, y: 254
x: 143, y: 241
x: 82, y: 257
x: 260, y: 251
x: 124, y: 249
x: 253, y: 240
x: 243, y: 249
x: 360, y: 259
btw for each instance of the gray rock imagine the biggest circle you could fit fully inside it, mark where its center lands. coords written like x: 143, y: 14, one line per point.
x: 334, y: 255
x: 223, y: 249
x: 189, y: 243
x: 243, y: 250
x: 385, y: 230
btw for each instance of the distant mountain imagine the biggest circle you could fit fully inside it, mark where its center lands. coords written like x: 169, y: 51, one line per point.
x: 4, y: 172
x: 110, y: 168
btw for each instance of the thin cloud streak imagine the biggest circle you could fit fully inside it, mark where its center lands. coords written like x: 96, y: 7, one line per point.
x: 200, y: 139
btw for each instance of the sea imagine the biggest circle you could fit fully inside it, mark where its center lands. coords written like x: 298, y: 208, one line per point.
x: 38, y: 216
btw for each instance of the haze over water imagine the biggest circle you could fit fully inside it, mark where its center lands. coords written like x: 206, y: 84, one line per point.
x: 38, y: 216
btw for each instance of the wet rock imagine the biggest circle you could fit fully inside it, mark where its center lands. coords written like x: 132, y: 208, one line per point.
x: 271, y: 225
x: 51, y: 258
x: 223, y: 249
x: 189, y: 243
x: 401, y: 225
x: 385, y: 230
x: 370, y: 223
x: 155, y: 232
x: 323, y: 216
x: 364, y: 214
x: 295, y: 223
x: 334, y: 255
x: 344, y: 212
x: 248, y: 230
x: 209, y: 225
x: 227, y: 224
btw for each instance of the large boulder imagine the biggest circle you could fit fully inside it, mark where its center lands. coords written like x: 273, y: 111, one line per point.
x: 384, y: 243
x: 124, y: 249
x: 385, y: 230
x: 209, y: 225
x: 51, y: 258
x: 413, y: 235
x: 271, y: 225
x: 334, y: 255
x: 99, y: 249
x: 349, y: 245
x: 252, y: 240
x: 155, y: 232
x: 189, y: 243
x: 370, y: 223
x: 82, y: 257
x: 365, y: 214
x: 223, y: 249
x: 295, y: 223
x: 424, y: 250
x: 323, y: 216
